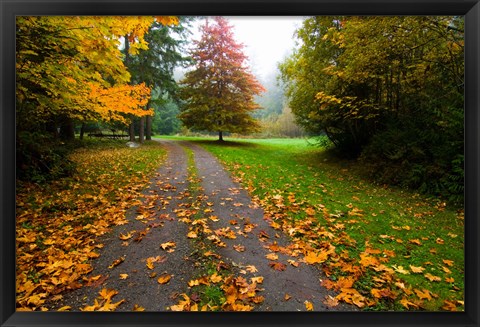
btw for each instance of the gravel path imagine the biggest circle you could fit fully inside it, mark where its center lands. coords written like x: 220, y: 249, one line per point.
x: 154, y: 244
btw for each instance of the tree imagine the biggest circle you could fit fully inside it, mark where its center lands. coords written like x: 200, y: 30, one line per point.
x: 69, y: 69
x: 218, y: 95
x: 154, y: 66
x: 387, y: 89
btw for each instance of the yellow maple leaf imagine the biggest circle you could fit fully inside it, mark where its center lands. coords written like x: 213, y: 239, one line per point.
x: 216, y: 278
x: 448, y: 262
x: 293, y: 262
x: 123, y: 276
x: 423, y: 294
x: 257, y: 280
x: 310, y: 211
x: 150, y: 265
x: 272, y: 256
x: 416, y: 270
x: 400, y: 270
x: 136, y: 307
x: 432, y: 278
x: 407, y: 304
x: 192, y: 234
x: 125, y: 237
x: 168, y: 245
x: 308, y: 305
x: 107, y: 294
x: 312, y: 257
x: 164, y: 279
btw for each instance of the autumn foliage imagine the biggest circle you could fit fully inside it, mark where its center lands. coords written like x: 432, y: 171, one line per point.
x: 218, y: 93
x: 72, y: 67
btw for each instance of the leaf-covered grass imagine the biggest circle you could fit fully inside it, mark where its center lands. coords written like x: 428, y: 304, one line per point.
x: 394, y: 249
x: 58, y: 223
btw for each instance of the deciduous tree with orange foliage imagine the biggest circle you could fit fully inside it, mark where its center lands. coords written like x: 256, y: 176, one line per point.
x: 219, y: 93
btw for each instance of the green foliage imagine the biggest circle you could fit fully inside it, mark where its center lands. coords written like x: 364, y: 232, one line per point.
x: 165, y: 120
x: 387, y: 89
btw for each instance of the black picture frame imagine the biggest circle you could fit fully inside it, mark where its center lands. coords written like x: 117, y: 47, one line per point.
x: 10, y: 8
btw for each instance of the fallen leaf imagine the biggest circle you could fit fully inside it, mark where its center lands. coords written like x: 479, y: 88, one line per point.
x: 449, y: 306
x: 407, y: 304
x: 308, y: 305
x: 251, y: 268
x: 448, y: 262
x: 330, y: 301
x: 192, y: 234
x: 310, y: 211
x: 216, y: 278
x: 293, y: 262
x: 400, y: 270
x: 287, y: 297
x: 65, y: 308
x: 136, y: 307
x: 417, y: 270
x: 312, y: 257
x: 125, y: 237
x: 432, y: 278
x: 239, y: 248
x: 164, y: 279
x: 168, y: 245
x: 277, y: 266
x: 123, y: 276
x: 150, y: 265
x: 449, y: 279
x: 445, y: 269
x: 423, y: 295
x: 415, y: 241
x: 257, y: 280
x: 117, y: 262
x: 271, y: 256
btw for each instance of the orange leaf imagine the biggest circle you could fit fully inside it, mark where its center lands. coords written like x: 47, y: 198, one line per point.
x: 448, y: 262
x: 192, y: 234
x: 423, y: 295
x: 271, y: 256
x: 432, y: 278
x: 125, y: 237
x: 277, y: 266
x: 308, y: 305
x: 164, y: 279
x: 310, y: 211
x: 415, y: 241
x: 312, y: 258
x: 417, y: 269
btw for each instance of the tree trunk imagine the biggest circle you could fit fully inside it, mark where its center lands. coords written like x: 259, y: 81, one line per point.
x: 220, y: 136
x: 131, y: 131
x: 67, y: 129
x: 141, y: 134
x: 148, y: 133
x: 82, y: 131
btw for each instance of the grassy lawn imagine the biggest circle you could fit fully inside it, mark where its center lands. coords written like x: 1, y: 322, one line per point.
x: 393, y: 249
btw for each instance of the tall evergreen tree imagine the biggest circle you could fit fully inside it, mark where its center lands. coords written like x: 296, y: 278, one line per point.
x: 219, y: 94
x: 154, y: 66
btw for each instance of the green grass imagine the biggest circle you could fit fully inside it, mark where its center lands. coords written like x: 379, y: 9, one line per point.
x: 421, y: 231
